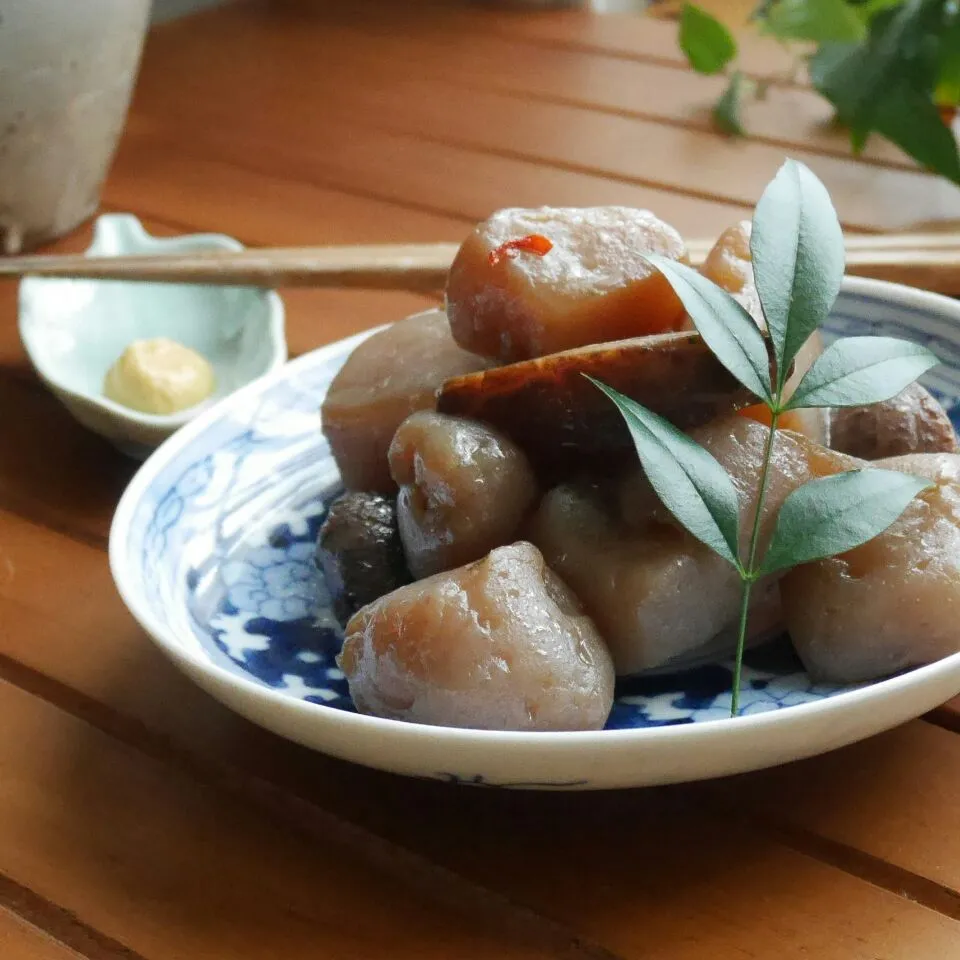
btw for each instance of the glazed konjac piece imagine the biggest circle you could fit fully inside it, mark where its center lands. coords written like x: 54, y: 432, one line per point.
x: 657, y: 594
x: 359, y: 551
x: 500, y: 644
x: 386, y: 378
x: 563, y: 421
x: 893, y: 603
x: 729, y: 264
x: 911, y: 422
x: 588, y: 283
x: 939, y: 467
x: 464, y: 489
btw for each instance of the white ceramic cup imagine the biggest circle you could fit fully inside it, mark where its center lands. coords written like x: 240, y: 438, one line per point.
x: 66, y: 73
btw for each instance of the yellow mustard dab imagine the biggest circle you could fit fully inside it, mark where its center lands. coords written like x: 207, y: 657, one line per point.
x: 159, y: 376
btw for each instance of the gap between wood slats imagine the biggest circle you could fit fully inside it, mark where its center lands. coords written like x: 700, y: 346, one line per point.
x: 33, y: 928
x: 947, y: 716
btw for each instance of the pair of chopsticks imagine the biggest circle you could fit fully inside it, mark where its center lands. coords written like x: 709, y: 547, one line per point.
x: 929, y: 261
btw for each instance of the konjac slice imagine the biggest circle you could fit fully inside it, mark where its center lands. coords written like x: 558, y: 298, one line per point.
x: 657, y: 594
x: 500, y: 644
x: 911, y: 422
x: 561, y: 420
x: 464, y: 489
x: 387, y: 377
x: 586, y: 281
x: 891, y: 604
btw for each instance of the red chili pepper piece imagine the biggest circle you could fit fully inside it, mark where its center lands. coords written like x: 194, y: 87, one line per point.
x: 534, y: 243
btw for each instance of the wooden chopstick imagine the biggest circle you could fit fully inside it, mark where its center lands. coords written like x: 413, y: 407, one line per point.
x: 421, y: 267
x: 929, y: 261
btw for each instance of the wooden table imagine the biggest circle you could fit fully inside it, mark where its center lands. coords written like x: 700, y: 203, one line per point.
x: 140, y: 819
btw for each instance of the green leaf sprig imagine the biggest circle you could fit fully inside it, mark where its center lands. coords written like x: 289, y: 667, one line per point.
x: 798, y: 260
x: 890, y: 67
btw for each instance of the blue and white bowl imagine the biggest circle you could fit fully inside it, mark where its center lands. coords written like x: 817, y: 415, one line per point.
x: 212, y: 550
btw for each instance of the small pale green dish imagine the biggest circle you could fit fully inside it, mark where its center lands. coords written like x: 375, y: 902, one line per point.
x: 74, y: 330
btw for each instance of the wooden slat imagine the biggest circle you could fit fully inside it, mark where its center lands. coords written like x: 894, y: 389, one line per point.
x: 630, y: 35
x: 637, y: 37
x: 866, y: 197
x: 260, y: 208
x: 172, y: 868
x: 653, y: 154
x: 20, y: 940
x: 489, y: 837
x: 38, y: 443
x: 405, y: 168
x: 892, y: 796
x: 789, y: 117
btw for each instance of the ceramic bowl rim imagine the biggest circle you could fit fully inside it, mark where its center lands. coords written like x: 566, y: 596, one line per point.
x: 168, y: 421
x: 454, y: 737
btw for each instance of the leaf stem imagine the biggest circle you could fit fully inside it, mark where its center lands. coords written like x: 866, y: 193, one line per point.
x: 741, y: 640
x: 750, y: 572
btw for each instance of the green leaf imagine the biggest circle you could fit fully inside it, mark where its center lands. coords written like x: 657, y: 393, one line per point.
x: 912, y: 121
x: 798, y: 258
x: 692, y: 485
x: 836, y: 70
x: 948, y: 80
x: 708, y: 44
x: 860, y: 370
x: 869, y: 9
x: 834, y: 514
x: 729, y: 331
x: 887, y: 84
x: 896, y: 102
x: 726, y: 111
x: 819, y: 21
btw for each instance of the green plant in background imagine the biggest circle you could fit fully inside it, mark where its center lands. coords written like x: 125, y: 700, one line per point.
x: 890, y: 67
x: 798, y: 260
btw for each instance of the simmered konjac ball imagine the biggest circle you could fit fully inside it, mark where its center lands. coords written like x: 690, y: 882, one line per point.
x: 500, y: 644
x: 910, y: 422
x: 385, y: 379
x: 591, y: 286
x: 359, y: 551
x: 729, y: 264
x: 892, y: 603
x: 464, y: 489
x: 657, y: 594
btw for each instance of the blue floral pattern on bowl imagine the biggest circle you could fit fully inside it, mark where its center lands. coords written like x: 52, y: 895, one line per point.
x: 225, y: 539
